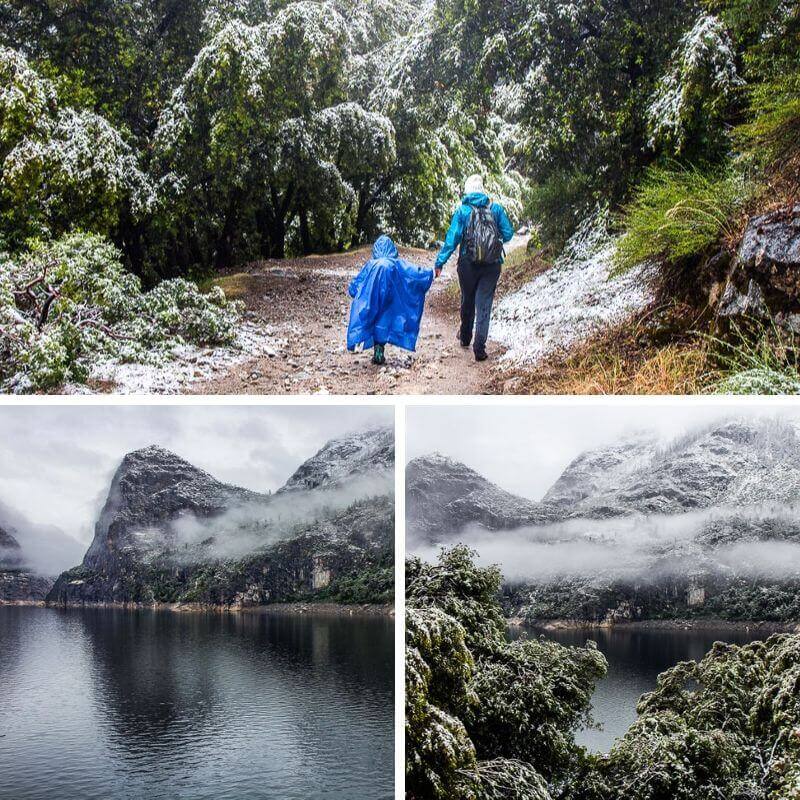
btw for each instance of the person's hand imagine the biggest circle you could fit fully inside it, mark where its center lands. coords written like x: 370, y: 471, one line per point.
x: 437, y: 272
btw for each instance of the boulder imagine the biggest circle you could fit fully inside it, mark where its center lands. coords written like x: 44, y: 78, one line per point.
x: 735, y: 303
x: 770, y: 249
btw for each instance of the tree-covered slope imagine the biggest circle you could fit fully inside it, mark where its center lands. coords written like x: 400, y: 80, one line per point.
x: 488, y: 719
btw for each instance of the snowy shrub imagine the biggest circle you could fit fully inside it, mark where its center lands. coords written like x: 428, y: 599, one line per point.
x: 64, y: 303
x: 678, y: 213
x: 760, y: 381
x: 510, y: 779
x: 726, y: 727
x: 484, y: 718
x: 700, y: 80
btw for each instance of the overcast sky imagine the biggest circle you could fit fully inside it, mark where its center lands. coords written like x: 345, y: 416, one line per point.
x: 56, y: 462
x: 525, y: 449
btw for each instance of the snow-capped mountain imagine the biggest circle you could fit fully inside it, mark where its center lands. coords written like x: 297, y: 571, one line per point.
x: 444, y: 496
x: 150, y: 490
x: 170, y: 532
x: 368, y: 453
x: 708, y: 524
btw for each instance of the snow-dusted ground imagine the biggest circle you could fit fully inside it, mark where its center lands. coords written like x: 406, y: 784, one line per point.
x: 572, y: 300
x: 189, y: 364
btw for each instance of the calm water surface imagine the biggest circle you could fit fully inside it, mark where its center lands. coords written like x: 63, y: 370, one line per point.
x: 635, y: 659
x: 130, y: 705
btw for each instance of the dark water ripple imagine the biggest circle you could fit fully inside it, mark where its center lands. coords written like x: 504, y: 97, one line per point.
x: 140, y: 704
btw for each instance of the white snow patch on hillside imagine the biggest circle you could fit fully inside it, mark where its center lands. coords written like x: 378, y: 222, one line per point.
x: 571, y: 301
x: 188, y: 364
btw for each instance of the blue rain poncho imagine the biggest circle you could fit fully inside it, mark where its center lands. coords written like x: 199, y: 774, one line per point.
x: 388, y: 300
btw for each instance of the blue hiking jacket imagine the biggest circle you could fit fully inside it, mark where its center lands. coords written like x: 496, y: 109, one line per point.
x: 388, y: 300
x: 461, y: 218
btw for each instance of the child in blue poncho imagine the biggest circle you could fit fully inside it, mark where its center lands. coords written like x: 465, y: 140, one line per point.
x: 388, y: 301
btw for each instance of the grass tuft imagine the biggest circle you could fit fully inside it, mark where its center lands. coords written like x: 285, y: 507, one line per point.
x: 678, y: 213
x: 760, y: 359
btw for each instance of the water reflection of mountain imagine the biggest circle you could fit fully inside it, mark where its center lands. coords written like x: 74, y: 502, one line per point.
x: 254, y: 689
x: 128, y: 705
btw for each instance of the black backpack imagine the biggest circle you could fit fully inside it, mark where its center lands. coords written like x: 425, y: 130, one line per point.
x: 482, y: 238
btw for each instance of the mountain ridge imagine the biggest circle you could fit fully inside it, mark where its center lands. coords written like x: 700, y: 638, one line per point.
x: 703, y: 526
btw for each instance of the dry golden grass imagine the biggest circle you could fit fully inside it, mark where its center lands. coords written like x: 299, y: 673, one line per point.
x: 614, y: 364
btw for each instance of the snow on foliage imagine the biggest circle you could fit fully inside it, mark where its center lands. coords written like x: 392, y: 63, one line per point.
x: 724, y: 727
x: 470, y: 693
x: 573, y: 300
x: 702, y: 73
x: 68, y: 303
x: 26, y: 99
x: 60, y: 167
x: 80, y: 152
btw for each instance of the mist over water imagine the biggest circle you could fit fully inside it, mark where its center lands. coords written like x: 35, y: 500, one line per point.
x: 638, y: 547
x: 44, y: 549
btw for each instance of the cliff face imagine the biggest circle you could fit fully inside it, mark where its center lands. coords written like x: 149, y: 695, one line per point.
x: 151, y: 489
x: 705, y: 526
x: 17, y: 583
x: 170, y: 532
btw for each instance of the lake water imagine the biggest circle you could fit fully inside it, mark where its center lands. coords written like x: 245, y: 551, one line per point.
x: 635, y: 659
x: 114, y: 705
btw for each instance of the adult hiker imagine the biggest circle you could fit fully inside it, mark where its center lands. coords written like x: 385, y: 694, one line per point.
x: 481, y: 228
x: 388, y: 301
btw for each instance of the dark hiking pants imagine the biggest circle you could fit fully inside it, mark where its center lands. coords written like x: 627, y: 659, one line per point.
x: 478, y: 284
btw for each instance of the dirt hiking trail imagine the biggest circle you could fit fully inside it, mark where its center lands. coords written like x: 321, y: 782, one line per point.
x: 305, y: 302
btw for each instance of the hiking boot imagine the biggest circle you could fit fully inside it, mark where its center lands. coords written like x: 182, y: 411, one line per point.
x: 480, y: 355
x: 378, y: 355
x: 464, y: 344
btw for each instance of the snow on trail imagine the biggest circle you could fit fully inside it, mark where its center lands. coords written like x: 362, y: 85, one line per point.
x: 573, y: 300
x: 188, y: 364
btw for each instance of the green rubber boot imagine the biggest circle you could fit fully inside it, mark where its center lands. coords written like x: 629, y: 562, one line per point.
x: 378, y: 355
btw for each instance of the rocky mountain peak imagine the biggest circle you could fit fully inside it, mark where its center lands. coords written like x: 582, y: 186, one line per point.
x: 7, y: 541
x: 151, y: 488
x: 362, y: 453
x: 443, y: 496
x: 598, y: 469
x: 10, y: 551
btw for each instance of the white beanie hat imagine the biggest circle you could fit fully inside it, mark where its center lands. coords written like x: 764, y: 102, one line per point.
x: 474, y: 185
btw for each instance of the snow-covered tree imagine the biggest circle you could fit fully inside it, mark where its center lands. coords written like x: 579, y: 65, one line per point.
x: 485, y: 718
x: 694, y: 93
x: 61, y: 168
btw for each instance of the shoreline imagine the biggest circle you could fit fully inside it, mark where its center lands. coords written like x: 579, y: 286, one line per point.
x: 274, y: 609
x: 657, y: 624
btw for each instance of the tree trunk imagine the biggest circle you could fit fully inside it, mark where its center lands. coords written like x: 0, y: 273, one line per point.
x: 305, y: 233
x: 223, y: 252
x: 278, y: 238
